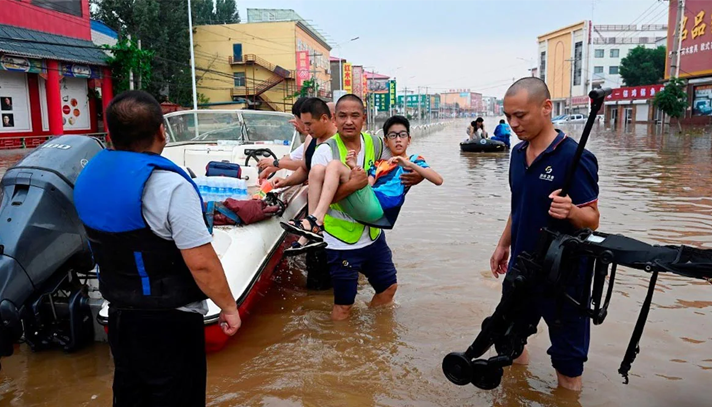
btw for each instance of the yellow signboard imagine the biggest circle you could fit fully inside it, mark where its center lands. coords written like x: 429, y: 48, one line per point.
x: 348, y: 78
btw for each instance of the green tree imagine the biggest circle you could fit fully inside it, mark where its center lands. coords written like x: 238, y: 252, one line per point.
x: 643, y: 66
x: 218, y: 12
x: 309, y: 88
x: 162, y: 27
x: 226, y: 12
x: 127, y: 58
x: 672, y: 100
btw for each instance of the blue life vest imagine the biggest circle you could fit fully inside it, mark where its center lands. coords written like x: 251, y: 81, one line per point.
x: 138, y: 269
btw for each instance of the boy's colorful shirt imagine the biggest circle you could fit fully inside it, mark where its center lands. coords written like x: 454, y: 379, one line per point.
x: 388, y: 186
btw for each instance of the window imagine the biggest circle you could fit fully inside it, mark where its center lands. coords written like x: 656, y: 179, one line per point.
x: 578, y: 60
x: 237, y: 52
x: 597, y: 69
x: 615, y: 53
x: 613, y: 70
x: 542, y: 67
x: 239, y: 78
x: 598, y: 53
x: 72, y: 7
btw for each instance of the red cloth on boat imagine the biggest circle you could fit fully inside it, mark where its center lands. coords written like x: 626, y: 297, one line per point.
x: 251, y: 211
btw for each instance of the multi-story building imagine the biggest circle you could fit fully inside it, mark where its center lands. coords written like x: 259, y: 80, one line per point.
x: 488, y: 105
x: 611, y: 43
x: 563, y: 56
x: 263, y: 63
x: 51, y: 74
x: 459, y: 102
x: 695, y: 58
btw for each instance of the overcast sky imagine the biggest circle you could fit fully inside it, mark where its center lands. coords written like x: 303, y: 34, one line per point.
x: 472, y: 44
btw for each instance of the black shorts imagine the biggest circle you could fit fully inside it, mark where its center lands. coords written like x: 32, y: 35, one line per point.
x: 159, y: 358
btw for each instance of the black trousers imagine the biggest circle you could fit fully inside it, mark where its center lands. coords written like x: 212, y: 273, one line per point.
x: 318, y: 277
x: 159, y: 358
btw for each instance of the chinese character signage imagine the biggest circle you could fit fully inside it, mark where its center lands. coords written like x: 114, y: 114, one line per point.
x: 21, y: 64
x: 435, y: 102
x: 412, y: 101
x: 79, y: 71
x: 392, y: 93
x: 357, y: 80
x: 696, y: 44
x: 364, y: 85
x: 382, y: 101
x: 636, y: 92
x: 348, y: 78
x: 302, y: 67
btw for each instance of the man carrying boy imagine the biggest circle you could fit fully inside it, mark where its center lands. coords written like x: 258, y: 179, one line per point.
x: 352, y: 247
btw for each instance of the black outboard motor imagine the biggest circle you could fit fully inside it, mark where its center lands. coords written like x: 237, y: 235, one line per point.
x: 44, y: 251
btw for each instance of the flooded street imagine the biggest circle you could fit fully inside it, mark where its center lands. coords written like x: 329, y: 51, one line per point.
x: 654, y: 187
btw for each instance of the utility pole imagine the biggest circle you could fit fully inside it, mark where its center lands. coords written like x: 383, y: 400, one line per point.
x: 418, y: 101
x: 131, y: 76
x: 139, y: 75
x: 571, y: 84
x: 677, y: 41
x: 313, y: 72
x: 427, y: 97
x: 405, y: 102
x: 192, y: 64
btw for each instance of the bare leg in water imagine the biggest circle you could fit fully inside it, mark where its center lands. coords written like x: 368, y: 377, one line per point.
x: 566, y: 382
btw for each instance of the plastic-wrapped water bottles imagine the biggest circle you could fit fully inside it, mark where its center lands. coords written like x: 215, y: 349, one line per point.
x: 221, y: 188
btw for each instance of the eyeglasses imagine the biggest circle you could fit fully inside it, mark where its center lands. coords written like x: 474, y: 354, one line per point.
x: 392, y: 136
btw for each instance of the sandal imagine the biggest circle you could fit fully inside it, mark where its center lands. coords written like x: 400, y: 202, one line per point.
x: 295, y: 226
x: 298, y: 248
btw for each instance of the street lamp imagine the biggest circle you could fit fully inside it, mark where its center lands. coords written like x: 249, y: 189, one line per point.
x: 341, y: 73
x: 532, y: 63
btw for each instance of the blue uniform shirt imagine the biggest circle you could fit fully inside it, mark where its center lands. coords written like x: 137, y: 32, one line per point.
x: 531, y: 187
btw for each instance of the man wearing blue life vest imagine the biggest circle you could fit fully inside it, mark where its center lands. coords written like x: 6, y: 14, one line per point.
x: 502, y: 133
x: 537, y: 171
x: 143, y: 216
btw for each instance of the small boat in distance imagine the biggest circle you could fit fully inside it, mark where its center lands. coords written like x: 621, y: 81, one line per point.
x: 482, y: 145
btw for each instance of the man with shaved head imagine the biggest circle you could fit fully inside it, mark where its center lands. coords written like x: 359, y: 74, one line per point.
x: 537, y: 171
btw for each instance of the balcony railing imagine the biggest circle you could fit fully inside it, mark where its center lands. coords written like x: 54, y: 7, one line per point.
x: 249, y: 59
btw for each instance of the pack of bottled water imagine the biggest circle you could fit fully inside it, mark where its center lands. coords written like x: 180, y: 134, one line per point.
x: 219, y: 189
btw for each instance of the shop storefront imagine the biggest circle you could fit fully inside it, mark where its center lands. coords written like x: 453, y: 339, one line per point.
x: 26, y: 107
x: 631, y: 105
x: 695, y: 58
x: 702, y: 100
x: 49, y: 86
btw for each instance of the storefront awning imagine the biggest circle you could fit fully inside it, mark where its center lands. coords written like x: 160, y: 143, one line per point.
x: 36, y: 44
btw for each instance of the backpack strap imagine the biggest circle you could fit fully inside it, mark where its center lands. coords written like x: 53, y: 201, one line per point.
x: 377, y: 147
x: 334, y: 148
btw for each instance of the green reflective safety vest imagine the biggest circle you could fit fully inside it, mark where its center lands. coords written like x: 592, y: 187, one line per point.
x: 335, y: 221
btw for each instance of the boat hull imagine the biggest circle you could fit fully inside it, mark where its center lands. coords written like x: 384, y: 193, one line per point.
x: 249, y: 255
x: 483, y: 146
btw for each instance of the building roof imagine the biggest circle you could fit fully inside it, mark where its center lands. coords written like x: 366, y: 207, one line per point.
x: 265, y: 15
x: 36, y: 44
x: 572, y: 27
x: 374, y: 75
x: 98, y: 26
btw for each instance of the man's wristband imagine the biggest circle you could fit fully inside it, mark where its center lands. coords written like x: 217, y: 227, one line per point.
x: 275, y: 164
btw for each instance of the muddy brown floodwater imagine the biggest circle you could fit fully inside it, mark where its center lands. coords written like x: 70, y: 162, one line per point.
x: 654, y: 187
